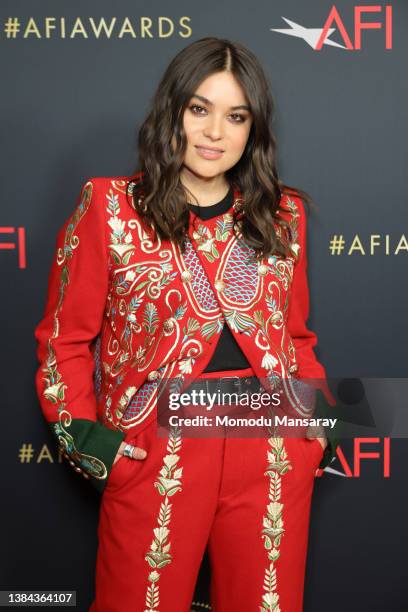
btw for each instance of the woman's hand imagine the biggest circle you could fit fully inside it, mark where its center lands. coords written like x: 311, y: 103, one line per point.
x: 324, y: 442
x: 137, y: 453
x: 312, y: 433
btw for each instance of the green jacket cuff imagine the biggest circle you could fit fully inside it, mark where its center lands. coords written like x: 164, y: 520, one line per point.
x: 329, y: 452
x: 325, y: 410
x: 90, y: 446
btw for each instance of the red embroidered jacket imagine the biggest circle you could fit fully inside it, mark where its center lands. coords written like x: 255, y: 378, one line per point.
x: 123, y: 313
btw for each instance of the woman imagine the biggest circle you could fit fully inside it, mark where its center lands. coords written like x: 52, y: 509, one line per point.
x: 190, y: 274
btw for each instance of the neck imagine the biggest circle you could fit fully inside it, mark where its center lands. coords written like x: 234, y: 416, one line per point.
x: 204, y: 192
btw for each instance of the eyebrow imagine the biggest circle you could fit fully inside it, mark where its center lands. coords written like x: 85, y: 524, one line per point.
x: 207, y: 101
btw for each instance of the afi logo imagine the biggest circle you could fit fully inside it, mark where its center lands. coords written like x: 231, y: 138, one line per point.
x: 317, y: 37
x: 361, y: 454
x: 18, y: 243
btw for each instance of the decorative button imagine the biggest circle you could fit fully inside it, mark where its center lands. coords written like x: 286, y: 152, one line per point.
x: 71, y: 463
x: 168, y: 324
x: 295, y: 248
x: 153, y: 375
x: 293, y: 368
x: 238, y: 204
x: 186, y: 276
x: 262, y: 270
x: 219, y: 285
x: 78, y: 469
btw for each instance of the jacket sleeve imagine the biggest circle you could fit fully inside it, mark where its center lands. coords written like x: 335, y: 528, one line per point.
x: 73, y: 317
x: 304, y: 339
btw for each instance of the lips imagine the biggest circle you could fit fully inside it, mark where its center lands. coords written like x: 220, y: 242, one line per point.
x: 209, y: 154
x: 211, y: 149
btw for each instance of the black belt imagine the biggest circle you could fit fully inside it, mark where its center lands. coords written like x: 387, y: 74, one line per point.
x: 226, y: 384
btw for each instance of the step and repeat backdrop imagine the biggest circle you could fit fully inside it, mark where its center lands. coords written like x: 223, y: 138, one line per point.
x: 77, y: 83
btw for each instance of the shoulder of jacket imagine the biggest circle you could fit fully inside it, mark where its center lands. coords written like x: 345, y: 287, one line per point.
x: 293, y: 211
x: 113, y: 189
x: 292, y: 205
x: 106, y: 182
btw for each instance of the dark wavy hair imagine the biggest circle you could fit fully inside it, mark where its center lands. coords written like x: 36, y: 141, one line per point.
x: 157, y: 194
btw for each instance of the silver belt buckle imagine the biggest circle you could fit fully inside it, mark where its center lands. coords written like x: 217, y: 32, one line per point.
x: 238, y: 382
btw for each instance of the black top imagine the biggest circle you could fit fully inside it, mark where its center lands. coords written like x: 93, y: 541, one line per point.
x: 213, y: 210
x: 227, y: 354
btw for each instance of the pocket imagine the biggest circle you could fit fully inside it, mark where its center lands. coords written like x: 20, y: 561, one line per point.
x: 119, y: 472
x: 125, y: 467
x: 320, y: 450
x: 313, y: 451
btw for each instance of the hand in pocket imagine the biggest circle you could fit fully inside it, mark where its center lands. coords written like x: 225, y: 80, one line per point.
x: 137, y: 453
x: 323, y: 442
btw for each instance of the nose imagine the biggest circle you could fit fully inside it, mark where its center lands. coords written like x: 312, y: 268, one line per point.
x: 213, y: 127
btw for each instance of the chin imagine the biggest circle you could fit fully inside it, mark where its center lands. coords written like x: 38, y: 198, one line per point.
x: 205, y: 170
x: 207, y: 167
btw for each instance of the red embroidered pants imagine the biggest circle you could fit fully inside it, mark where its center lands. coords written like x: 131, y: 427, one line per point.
x: 247, y: 498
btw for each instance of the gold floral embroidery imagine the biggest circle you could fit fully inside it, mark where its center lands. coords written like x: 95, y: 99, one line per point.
x: 121, y: 245
x: 273, y: 522
x: 294, y: 226
x: 91, y: 465
x: 55, y: 386
x: 207, y: 242
x: 167, y: 483
x: 136, y: 280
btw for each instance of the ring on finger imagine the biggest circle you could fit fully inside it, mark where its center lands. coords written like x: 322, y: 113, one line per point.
x: 128, y: 450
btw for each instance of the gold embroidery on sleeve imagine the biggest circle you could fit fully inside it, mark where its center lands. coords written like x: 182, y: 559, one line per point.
x: 55, y: 386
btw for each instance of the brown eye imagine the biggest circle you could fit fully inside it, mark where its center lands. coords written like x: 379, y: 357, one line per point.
x: 242, y: 118
x: 195, y: 109
x: 193, y: 106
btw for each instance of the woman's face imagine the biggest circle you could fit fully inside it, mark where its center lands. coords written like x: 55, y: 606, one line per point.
x: 217, y: 116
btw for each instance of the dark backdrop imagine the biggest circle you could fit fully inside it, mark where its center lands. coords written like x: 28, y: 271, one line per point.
x: 71, y: 107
